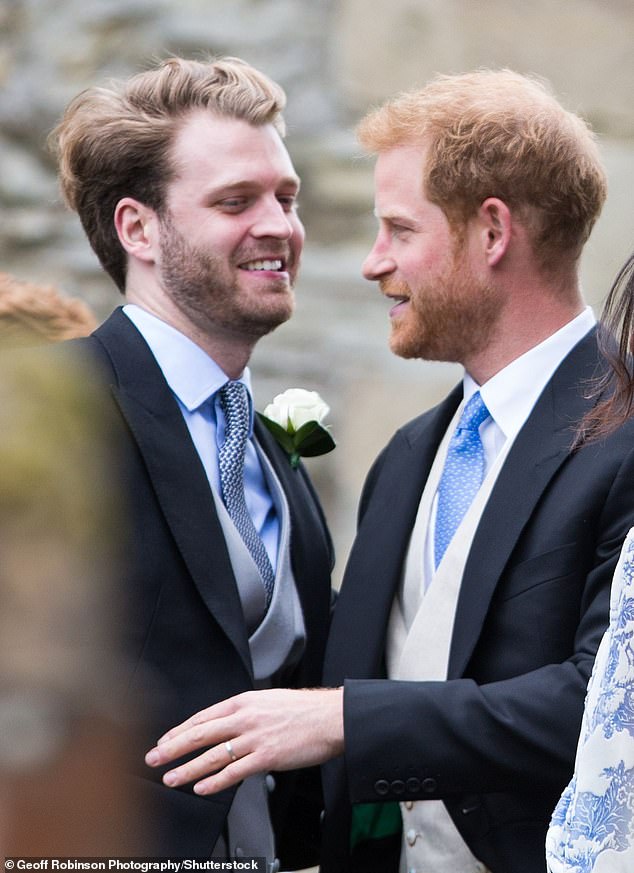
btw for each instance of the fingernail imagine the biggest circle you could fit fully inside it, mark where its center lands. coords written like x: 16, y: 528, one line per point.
x: 170, y: 779
x: 152, y: 758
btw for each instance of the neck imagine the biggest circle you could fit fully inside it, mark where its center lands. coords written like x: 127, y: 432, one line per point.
x: 231, y: 351
x: 520, y: 328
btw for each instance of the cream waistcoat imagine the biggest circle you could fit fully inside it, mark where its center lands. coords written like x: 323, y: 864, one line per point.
x: 418, y: 644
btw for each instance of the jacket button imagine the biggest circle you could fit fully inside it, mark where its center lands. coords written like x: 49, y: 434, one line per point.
x: 413, y: 785
x: 429, y: 785
x: 398, y: 786
x: 410, y: 836
x: 470, y: 807
x: 409, y: 805
x: 382, y: 786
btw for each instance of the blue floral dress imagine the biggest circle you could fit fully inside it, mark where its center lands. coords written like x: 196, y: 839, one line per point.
x: 592, y: 829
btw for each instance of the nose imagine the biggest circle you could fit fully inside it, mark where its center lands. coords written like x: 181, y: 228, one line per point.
x: 273, y: 221
x: 378, y: 263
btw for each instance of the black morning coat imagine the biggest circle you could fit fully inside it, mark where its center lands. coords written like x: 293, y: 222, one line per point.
x: 183, y: 632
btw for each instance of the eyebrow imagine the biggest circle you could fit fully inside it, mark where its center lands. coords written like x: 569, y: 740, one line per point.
x: 396, y: 218
x: 249, y: 185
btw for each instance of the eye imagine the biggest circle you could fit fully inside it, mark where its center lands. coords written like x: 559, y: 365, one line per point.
x: 399, y: 231
x: 288, y: 202
x: 233, y: 204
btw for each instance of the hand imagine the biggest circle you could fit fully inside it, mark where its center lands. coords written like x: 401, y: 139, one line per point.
x: 254, y: 732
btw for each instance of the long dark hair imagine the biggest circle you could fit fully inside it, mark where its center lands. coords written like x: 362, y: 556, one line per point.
x: 616, y: 343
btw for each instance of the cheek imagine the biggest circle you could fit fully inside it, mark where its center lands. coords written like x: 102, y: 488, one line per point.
x: 431, y: 263
x: 417, y: 270
x: 217, y: 232
x: 298, y: 229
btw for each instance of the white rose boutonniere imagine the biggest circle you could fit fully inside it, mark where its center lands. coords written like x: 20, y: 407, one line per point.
x: 295, y: 420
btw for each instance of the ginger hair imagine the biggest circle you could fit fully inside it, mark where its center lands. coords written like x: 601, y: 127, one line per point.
x: 31, y: 314
x: 497, y: 133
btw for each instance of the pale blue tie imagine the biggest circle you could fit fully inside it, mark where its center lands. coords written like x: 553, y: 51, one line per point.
x: 462, y: 475
x: 235, y: 405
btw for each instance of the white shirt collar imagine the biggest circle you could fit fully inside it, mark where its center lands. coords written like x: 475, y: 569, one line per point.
x: 192, y: 375
x: 511, y: 394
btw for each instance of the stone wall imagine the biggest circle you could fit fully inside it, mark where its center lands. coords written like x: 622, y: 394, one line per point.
x: 335, y: 59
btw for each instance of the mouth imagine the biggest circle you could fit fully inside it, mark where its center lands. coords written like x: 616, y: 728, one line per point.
x: 265, y: 265
x: 399, y: 301
x: 397, y: 292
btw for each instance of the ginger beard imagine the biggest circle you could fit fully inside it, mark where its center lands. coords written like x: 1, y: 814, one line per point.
x: 207, y: 289
x: 448, y: 318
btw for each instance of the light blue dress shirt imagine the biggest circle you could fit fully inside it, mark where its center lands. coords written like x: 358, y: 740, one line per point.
x: 195, y: 379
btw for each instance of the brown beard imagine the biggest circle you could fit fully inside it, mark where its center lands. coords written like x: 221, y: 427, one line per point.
x: 208, y: 294
x: 450, y: 318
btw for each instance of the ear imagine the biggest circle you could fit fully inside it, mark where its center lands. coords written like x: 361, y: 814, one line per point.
x: 497, y: 223
x: 137, y: 228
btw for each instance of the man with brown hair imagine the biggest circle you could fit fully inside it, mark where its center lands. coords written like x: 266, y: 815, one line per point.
x: 188, y: 196
x: 477, y: 589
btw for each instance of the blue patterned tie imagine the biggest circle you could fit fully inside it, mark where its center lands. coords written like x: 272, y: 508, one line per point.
x: 235, y: 405
x: 462, y: 474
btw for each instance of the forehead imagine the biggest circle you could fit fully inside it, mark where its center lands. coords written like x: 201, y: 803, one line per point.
x: 398, y: 178
x: 210, y: 149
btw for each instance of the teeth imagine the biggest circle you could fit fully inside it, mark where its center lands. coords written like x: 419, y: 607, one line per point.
x: 263, y: 265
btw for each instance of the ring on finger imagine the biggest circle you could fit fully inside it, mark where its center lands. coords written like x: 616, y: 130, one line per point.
x: 230, y: 751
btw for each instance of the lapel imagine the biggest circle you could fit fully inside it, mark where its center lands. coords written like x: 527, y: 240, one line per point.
x: 539, y: 450
x: 176, y: 473
x: 310, y: 550
x: 376, y: 561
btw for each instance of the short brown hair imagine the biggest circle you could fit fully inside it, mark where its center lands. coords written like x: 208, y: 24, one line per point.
x: 497, y: 133
x: 115, y: 141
